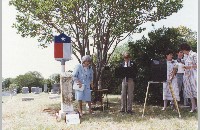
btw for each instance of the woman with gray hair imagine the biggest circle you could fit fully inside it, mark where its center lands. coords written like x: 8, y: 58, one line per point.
x: 83, y: 76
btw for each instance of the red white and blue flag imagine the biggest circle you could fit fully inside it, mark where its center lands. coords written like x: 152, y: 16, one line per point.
x: 62, y: 47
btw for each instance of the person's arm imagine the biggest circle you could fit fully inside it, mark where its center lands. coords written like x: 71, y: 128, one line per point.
x: 75, y: 75
x: 194, y: 60
x: 190, y: 67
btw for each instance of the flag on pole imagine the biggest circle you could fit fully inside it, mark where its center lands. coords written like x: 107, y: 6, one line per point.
x: 62, y: 47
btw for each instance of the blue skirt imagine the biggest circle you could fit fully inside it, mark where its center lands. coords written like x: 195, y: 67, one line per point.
x: 84, y: 95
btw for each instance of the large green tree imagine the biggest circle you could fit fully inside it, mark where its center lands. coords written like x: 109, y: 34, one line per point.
x: 154, y: 47
x: 55, y: 78
x: 93, y: 24
x: 6, y: 83
x: 145, y: 49
x: 29, y: 79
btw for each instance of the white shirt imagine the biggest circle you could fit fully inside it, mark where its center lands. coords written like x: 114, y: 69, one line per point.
x: 126, y: 65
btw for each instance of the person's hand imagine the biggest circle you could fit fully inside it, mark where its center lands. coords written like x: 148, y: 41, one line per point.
x: 169, y: 80
x: 79, y: 83
x: 92, y: 85
x: 187, y: 67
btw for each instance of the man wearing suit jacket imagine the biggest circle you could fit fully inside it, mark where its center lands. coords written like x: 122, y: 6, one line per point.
x: 127, y: 83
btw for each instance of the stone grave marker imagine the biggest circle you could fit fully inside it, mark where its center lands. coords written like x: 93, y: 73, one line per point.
x: 37, y: 91
x: 45, y: 88
x: 55, y: 88
x: 27, y: 98
x: 33, y: 89
x: 40, y: 90
x: 25, y: 90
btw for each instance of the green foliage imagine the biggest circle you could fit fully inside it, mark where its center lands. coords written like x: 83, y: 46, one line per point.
x: 55, y: 78
x: 100, y: 23
x: 189, y: 36
x: 6, y: 83
x: 153, y: 47
x: 29, y: 79
x: 103, y: 21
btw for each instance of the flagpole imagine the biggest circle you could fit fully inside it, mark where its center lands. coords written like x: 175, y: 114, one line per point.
x: 62, y: 65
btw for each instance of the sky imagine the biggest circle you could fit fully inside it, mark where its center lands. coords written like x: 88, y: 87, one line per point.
x: 21, y: 55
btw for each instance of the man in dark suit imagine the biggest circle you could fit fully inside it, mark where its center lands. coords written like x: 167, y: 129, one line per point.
x: 128, y: 85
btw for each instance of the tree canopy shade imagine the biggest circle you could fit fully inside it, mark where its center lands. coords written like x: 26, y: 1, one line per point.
x: 93, y: 24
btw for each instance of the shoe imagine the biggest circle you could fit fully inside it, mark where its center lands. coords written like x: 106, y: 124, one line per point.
x: 130, y: 112
x: 191, y: 111
x: 163, y: 109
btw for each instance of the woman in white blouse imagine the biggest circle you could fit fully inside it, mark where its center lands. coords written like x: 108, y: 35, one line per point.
x: 190, y: 75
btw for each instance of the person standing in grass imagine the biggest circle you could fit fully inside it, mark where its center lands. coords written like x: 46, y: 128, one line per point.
x: 171, y: 78
x: 190, y: 75
x: 128, y: 85
x: 83, y: 75
x: 179, y: 75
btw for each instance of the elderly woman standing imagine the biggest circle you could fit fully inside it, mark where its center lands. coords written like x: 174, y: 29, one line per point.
x: 190, y: 75
x: 83, y: 75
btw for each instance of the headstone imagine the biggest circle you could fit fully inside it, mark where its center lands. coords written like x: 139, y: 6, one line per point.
x: 14, y: 92
x: 53, y: 92
x: 55, y: 88
x: 33, y: 89
x: 6, y: 93
x: 40, y: 90
x: 25, y: 90
x: 37, y: 91
x: 54, y: 96
x: 45, y: 88
x: 27, y: 98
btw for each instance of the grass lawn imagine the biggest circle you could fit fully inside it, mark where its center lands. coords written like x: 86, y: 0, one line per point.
x: 39, y: 114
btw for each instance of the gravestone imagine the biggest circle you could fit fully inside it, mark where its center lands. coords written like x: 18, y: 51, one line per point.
x: 40, y: 90
x: 13, y: 92
x: 45, y: 88
x: 33, y: 89
x: 25, y: 90
x: 37, y: 90
x: 6, y: 93
x: 55, y: 88
x: 27, y: 98
x: 54, y: 96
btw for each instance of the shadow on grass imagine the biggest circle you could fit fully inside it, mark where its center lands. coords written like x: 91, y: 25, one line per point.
x: 112, y: 112
x: 52, y: 109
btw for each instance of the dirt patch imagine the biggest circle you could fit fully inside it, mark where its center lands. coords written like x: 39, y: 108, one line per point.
x: 51, y: 111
